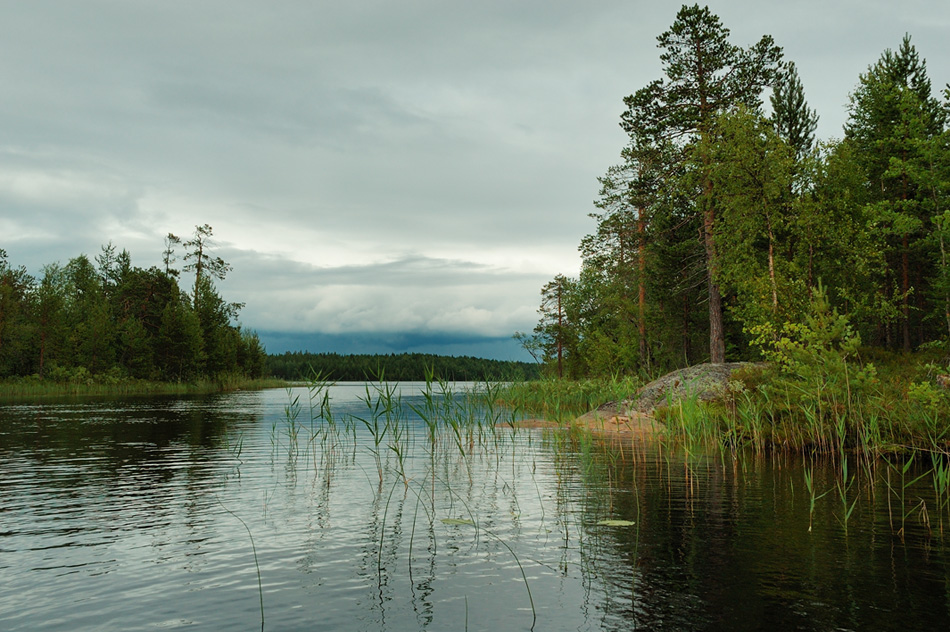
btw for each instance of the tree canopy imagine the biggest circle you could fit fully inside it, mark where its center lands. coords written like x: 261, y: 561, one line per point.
x: 84, y: 320
x: 721, y: 219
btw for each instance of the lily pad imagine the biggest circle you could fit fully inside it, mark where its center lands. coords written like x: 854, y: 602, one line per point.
x: 616, y: 523
x: 458, y: 521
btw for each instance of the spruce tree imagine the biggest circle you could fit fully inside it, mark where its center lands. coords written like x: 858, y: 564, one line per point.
x: 792, y: 119
x: 893, y: 117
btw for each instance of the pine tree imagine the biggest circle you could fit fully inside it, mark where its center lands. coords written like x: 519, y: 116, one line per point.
x: 705, y: 75
x: 553, y: 329
x: 205, y: 266
x: 181, y: 345
x: 168, y: 254
x: 752, y: 174
x: 15, y: 325
x: 51, y: 299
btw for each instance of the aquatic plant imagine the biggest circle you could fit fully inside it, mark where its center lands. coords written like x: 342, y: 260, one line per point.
x: 257, y: 565
x: 563, y: 400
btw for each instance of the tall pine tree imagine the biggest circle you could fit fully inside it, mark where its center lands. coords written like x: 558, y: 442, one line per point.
x: 704, y: 75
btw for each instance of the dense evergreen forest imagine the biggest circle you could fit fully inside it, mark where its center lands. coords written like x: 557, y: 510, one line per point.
x: 725, y: 227
x: 110, y: 320
x: 404, y: 366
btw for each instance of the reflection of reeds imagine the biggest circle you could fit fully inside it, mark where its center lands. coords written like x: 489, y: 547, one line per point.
x: 460, y: 431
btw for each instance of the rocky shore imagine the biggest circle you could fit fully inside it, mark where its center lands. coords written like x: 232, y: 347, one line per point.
x: 634, y: 415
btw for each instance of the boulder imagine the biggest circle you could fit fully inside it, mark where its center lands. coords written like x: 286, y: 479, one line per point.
x: 706, y: 382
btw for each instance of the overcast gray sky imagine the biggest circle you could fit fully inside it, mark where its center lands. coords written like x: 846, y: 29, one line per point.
x: 383, y: 175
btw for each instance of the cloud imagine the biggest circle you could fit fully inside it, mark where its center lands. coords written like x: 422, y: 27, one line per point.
x: 412, y: 294
x: 367, y: 165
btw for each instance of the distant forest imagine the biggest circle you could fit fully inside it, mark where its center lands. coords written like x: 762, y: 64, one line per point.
x: 405, y: 366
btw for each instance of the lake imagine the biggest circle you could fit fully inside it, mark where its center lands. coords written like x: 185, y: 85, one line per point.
x: 412, y: 509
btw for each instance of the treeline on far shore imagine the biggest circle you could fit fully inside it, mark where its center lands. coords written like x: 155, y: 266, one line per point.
x: 298, y: 365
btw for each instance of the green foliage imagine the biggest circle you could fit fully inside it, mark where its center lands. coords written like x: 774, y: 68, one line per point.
x: 180, y: 340
x: 15, y: 323
x: 716, y: 208
x: 86, y: 323
x: 753, y: 172
x: 705, y: 75
x: 565, y: 400
x: 791, y: 117
x: 894, y: 125
x: 817, y: 379
x: 823, y: 338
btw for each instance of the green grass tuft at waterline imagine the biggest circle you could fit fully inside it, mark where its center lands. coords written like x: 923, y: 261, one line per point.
x: 565, y: 400
x: 892, y: 404
x: 26, y: 389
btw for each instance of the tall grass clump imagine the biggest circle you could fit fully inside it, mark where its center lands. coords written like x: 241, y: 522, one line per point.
x: 562, y: 399
x: 688, y: 421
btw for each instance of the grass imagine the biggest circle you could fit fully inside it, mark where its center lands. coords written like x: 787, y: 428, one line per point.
x: 564, y: 400
x: 457, y: 426
x: 877, y: 419
x: 27, y: 389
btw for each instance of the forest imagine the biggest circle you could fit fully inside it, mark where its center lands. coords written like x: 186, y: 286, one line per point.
x: 109, y: 320
x: 403, y: 366
x: 727, y: 231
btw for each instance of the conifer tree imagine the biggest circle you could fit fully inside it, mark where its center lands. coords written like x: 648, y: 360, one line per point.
x: 203, y: 264
x: 15, y: 326
x: 704, y: 75
x: 792, y: 119
x: 553, y: 329
x: 892, y: 117
x: 51, y: 298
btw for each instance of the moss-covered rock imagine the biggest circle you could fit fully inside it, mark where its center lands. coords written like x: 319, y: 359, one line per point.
x: 705, y: 382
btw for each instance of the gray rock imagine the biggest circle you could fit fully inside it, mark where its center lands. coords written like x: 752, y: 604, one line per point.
x: 706, y: 382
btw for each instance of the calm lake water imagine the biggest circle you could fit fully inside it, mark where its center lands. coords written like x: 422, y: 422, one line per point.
x: 159, y: 513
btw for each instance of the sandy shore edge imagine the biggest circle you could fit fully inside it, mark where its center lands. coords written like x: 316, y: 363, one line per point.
x: 634, y: 424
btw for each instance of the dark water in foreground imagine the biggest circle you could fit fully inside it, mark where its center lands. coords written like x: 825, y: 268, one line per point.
x: 146, y: 515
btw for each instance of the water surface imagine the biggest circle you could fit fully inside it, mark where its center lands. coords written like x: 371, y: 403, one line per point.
x: 157, y: 513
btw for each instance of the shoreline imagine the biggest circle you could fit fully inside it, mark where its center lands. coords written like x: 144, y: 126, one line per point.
x: 635, y: 425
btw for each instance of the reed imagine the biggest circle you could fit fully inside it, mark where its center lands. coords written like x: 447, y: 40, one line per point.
x: 843, y: 486
x: 561, y: 400
x: 380, y: 401
x: 813, y: 495
x: 257, y: 565
x: 899, y: 489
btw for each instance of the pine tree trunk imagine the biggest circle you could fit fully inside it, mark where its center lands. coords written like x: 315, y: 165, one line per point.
x: 560, y: 335
x: 943, y: 272
x: 717, y: 343
x: 641, y: 286
x: 772, y: 267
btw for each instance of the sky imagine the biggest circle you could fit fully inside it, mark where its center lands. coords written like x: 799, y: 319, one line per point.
x: 383, y: 176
